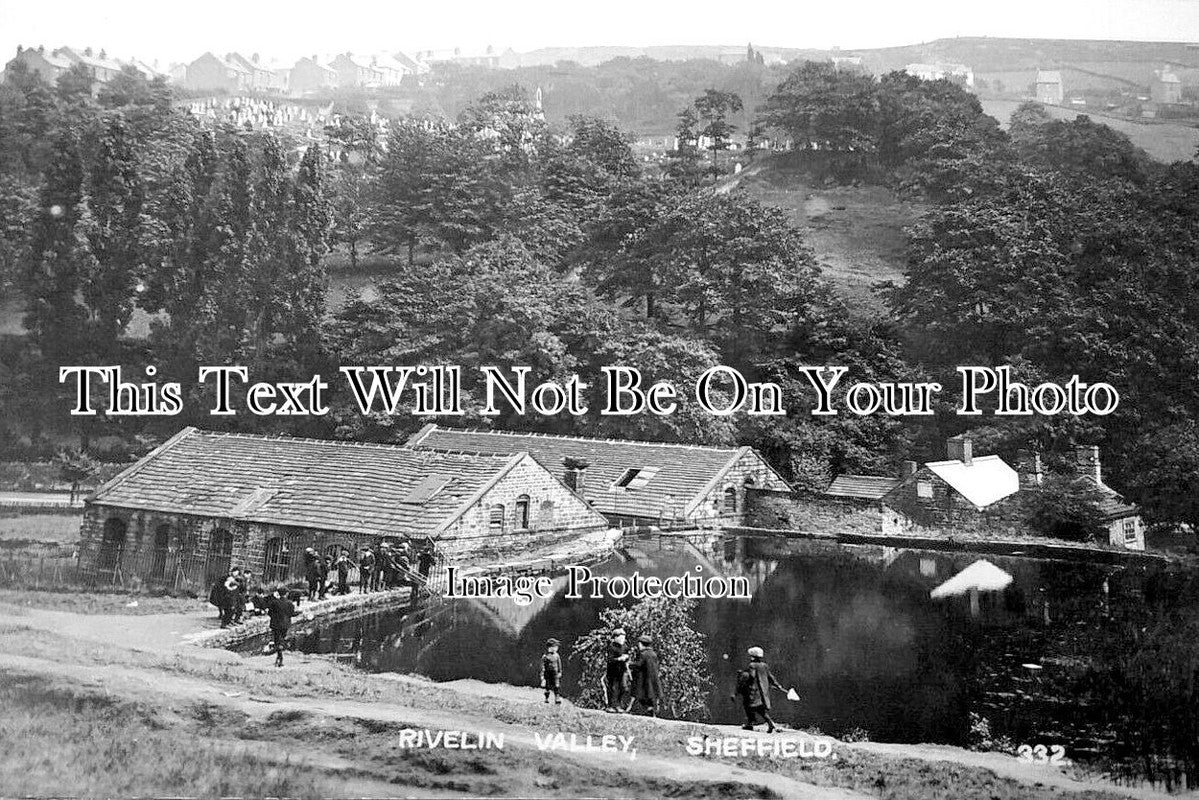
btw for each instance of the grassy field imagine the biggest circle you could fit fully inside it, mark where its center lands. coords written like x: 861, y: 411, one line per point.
x: 57, y: 528
x: 856, y: 232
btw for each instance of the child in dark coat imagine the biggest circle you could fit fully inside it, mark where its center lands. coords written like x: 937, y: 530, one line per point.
x: 551, y: 671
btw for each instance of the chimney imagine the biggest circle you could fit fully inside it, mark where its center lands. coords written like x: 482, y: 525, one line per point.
x: 1030, y: 469
x: 960, y: 448
x: 574, y: 475
x: 907, y: 469
x: 1086, y: 458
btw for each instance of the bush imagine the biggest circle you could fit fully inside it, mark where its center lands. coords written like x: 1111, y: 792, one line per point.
x: 686, y: 678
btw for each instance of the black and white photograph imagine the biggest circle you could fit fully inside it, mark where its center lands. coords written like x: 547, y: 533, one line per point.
x: 595, y: 401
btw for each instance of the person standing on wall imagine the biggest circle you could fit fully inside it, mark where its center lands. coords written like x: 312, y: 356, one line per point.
x: 366, y: 570
x: 281, y: 610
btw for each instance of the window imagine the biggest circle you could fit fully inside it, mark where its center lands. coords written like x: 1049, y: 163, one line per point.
x: 522, y: 512
x: 495, y: 519
x: 220, y: 554
x: 277, y: 560
x: 924, y: 489
x: 546, y: 517
x: 635, y: 478
x: 1130, y: 531
x: 730, y: 500
x: 112, y: 545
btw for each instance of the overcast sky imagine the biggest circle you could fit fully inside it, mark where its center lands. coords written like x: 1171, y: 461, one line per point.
x: 174, y: 31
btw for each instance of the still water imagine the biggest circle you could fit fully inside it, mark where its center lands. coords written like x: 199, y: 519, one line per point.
x: 1059, y: 657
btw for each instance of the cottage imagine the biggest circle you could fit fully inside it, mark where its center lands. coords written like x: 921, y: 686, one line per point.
x: 1125, y: 528
x: 632, y: 483
x: 1166, y: 87
x: 204, y: 501
x: 49, y: 65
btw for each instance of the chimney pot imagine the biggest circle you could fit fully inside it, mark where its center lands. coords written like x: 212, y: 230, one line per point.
x: 907, y: 469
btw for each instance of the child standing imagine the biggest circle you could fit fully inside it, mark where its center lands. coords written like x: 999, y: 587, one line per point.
x: 551, y: 671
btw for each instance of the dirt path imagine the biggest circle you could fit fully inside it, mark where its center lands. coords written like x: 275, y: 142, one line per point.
x: 146, y: 684
x: 168, y: 635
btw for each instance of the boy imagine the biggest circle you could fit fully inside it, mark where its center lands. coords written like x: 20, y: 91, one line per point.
x: 551, y: 671
x: 281, y: 611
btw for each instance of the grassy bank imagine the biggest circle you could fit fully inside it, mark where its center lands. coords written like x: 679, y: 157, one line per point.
x: 354, y: 717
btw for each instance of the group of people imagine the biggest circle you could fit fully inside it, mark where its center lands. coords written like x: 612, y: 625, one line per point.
x: 631, y: 674
x: 391, y: 567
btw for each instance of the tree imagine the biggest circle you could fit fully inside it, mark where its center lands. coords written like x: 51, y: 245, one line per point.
x: 684, y: 167
x: 75, y: 466
x: 357, y: 142
x: 686, y: 677
x: 823, y: 108
x: 116, y: 198
x: 1065, y: 507
x: 1166, y: 481
x: 713, y: 109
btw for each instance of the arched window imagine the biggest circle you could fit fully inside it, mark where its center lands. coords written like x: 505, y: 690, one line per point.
x: 160, y: 555
x: 220, y: 553
x: 495, y: 518
x: 112, y: 545
x: 522, y: 512
x: 276, y: 560
x: 730, y: 500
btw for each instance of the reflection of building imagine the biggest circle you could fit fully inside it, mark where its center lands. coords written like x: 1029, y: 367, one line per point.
x: 1049, y: 87
x: 631, y: 482
x: 204, y: 501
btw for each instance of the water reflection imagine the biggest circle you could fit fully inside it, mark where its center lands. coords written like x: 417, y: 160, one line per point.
x: 852, y: 628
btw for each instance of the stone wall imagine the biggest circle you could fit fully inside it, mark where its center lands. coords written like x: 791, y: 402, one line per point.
x: 750, y: 473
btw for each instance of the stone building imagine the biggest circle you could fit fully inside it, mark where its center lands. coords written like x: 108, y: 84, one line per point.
x: 1049, y: 89
x: 205, y: 501
x: 632, y: 483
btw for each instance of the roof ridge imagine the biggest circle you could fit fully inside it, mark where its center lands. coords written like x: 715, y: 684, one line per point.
x: 283, y: 437
x: 723, y: 448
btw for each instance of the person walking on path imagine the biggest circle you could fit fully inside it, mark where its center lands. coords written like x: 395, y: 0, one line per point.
x: 647, y: 684
x: 753, y: 685
x: 551, y: 671
x: 281, y: 610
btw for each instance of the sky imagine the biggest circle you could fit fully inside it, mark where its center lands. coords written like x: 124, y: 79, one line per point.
x: 177, y: 31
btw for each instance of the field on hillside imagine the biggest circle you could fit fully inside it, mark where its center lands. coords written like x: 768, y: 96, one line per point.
x: 857, y: 232
x: 1165, y: 141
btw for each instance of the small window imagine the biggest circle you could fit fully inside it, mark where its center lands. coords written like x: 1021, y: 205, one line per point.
x: 1130, y: 531
x: 522, y: 512
x: 495, y: 521
x: 924, y: 489
x: 635, y: 478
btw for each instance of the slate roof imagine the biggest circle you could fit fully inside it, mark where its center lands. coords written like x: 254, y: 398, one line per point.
x: 684, y: 473
x: 1113, y: 506
x: 985, y: 480
x: 311, y: 483
x: 867, y: 487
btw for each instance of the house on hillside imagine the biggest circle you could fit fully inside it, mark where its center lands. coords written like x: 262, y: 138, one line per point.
x: 631, y: 483
x: 310, y: 74
x: 356, y: 71
x: 99, y: 65
x: 205, y: 501
x: 213, y: 73
x: 47, y: 64
x: 1166, y: 87
x: 262, y: 77
x: 1049, y: 88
